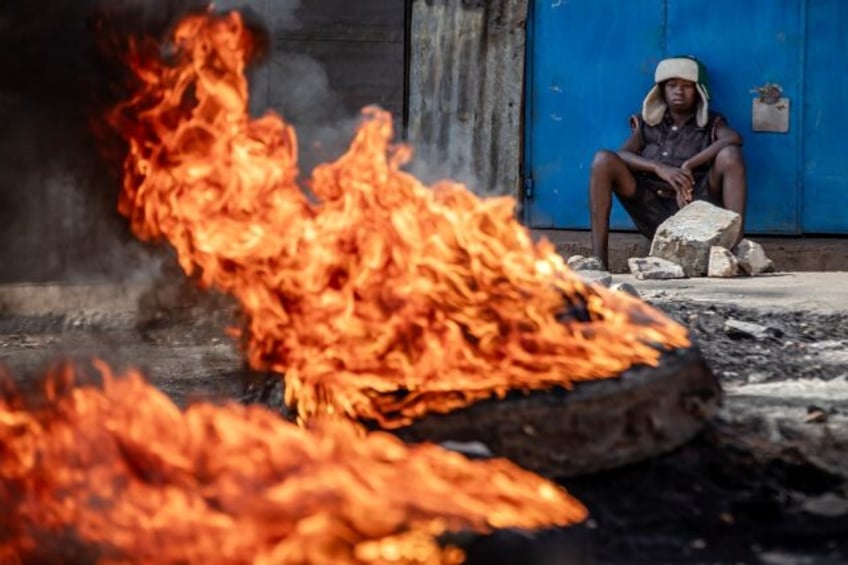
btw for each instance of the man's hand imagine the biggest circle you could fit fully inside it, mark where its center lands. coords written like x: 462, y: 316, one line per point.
x: 681, y: 180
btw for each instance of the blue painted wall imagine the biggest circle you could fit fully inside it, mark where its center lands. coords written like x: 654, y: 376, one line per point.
x: 590, y: 63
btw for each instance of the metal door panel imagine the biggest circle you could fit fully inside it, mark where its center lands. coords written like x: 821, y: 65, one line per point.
x: 589, y: 64
x: 825, y: 165
x: 744, y: 45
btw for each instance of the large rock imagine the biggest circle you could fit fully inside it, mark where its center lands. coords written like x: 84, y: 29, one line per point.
x: 723, y: 263
x: 686, y: 237
x: 752, y: 258
x: 645, y: 268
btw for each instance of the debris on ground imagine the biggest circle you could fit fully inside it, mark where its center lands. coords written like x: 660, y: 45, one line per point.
x: 702, y: 239
x: 765, y: 483
x: 603, y: 278
x: 654, y: 268
x: 581, y: 263
x: 752, y: 258
x: 737, y: 329
x: 625, y: 287
x: 722, y: 263
x: 686, y: 237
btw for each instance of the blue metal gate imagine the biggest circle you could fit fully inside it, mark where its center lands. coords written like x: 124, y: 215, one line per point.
x: 590, y: 63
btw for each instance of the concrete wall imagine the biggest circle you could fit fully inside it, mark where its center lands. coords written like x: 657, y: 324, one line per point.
x: 465, y: 93
x: 328, y: 60
x: 57, y: 191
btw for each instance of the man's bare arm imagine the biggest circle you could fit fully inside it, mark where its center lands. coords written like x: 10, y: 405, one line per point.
x: 629, y: 153
x: 725, y: 136
x: 681, y: 180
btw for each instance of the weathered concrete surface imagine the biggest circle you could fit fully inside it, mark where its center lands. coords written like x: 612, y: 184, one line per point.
x: 197, y: 358
x: 784, y: 416
x: 173, y: 332
x: 795, y: 413
x: 188, y: 355
x: 58, y: 194
x: 71, y: 299
x: 466, y: 79
x: 199, y: 367
x: 819, y: 292
x: 790, y: 254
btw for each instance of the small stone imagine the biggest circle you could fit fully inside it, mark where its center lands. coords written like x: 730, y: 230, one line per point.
x: 709, y: 323
x: 758, y: 377
x: 834, y: 357
x: 723, y: 263
x: 829, y: 345
x: 815, y: 416
x: 603, y: 278
x: 574, y: 260
x: 627, y: 288
x: 654, y: 268
x: 698, y: 544
x: 830, y: 505
x: 581, y: 263
x: 752, y: 258
x: 737, y: 329
x: 468, y: 448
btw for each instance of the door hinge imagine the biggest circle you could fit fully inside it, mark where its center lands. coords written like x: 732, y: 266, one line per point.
x: 528, y: 187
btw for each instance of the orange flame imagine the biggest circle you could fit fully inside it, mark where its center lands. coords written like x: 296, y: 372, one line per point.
x: 385, y: 300
x: 117, y: 474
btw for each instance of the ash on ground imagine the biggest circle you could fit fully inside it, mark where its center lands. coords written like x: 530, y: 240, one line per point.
x: 748, y: 346
x: 767, y: 482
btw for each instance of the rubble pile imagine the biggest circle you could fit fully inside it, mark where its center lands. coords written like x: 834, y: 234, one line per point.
x: 698, y: 241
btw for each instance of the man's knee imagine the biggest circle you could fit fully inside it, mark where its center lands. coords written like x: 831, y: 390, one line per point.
x: 729, y: 158
x: 604, y: 160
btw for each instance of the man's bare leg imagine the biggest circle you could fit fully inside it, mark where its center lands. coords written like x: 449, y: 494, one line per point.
x: 609, y: 174
x: 728, y: 178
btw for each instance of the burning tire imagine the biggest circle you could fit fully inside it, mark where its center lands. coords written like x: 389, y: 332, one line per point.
x: 598, y: 425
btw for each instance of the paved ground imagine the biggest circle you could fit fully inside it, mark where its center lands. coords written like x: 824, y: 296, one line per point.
x: 813, y: 291
x: 817, y: 291
x: 796, y: 254
x: 766, y: 483
x: 801, y: 359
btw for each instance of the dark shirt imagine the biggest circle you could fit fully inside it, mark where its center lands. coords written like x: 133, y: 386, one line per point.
x: 672, y: 145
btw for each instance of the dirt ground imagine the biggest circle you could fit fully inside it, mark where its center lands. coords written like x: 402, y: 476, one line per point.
x: 766, y: 483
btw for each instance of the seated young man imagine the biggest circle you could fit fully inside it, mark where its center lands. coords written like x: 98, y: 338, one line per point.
x: 678, y: 151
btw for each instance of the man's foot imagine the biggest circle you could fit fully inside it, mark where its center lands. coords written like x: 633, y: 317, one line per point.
x: 581, y: 263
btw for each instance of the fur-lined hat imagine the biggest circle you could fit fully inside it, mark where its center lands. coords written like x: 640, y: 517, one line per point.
x: 687, y: 68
